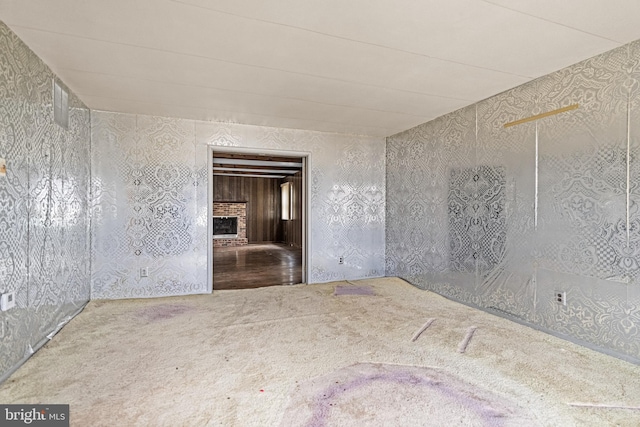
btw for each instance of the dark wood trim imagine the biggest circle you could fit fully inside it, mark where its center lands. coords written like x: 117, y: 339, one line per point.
x: 266, y: 158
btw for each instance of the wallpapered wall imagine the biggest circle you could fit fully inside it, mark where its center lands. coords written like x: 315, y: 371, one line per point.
x: 150, y: 201
x: 501, y: 218
x: 44, y: 200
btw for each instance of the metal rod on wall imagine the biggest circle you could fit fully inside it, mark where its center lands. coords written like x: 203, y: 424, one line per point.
x: 542, y: 115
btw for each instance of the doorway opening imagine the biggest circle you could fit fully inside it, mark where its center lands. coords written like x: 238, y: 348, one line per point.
x: 258, y: 204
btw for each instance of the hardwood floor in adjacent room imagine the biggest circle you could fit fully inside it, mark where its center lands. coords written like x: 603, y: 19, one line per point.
x: 256, y: 265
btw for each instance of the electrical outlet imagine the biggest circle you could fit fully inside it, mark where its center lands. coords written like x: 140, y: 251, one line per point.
x: 144, y: 272
x: 7, y: 301
x: 560, y: 297
x: 341, y: 260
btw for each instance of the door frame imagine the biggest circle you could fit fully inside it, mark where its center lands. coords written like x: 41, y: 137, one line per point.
x: 306, y: 202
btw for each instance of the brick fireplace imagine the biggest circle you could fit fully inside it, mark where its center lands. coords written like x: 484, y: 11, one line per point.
x: 232, y: 209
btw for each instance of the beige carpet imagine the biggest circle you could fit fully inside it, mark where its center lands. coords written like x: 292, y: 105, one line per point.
x: 302, y: 356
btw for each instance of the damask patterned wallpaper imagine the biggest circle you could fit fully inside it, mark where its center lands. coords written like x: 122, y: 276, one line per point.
x: 502, y: 218
x: 150, y: 201
x: 44, y: 204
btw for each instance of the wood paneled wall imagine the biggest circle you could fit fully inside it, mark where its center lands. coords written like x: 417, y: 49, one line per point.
x: 292, y: 229
x: 263, y: 204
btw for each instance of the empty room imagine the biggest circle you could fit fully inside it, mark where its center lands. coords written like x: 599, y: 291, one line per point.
x: 319, y: 213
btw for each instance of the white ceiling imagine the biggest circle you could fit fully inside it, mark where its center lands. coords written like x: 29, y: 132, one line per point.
x: 373, y: 67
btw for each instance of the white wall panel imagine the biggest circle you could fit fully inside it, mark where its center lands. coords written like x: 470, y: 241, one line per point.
x: 543, y: 206
x: 150, y: 206
x: 44, y: 204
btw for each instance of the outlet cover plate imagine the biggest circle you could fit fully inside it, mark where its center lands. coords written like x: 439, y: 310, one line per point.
x: 7, y: 301
x: 560, y: 297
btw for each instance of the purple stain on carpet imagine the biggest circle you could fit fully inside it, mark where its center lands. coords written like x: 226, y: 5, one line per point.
x: 323, y: 403
x: 364, y: 393
x: 162, y: 312
x: 353, y: 290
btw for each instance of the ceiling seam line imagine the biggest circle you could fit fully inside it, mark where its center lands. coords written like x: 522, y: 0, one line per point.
x: 245, y: 64
x: 235, y: 90
x: 235, y: 112
x: 341, y: 37
x: 552, y: 22
x: 258, y: 94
